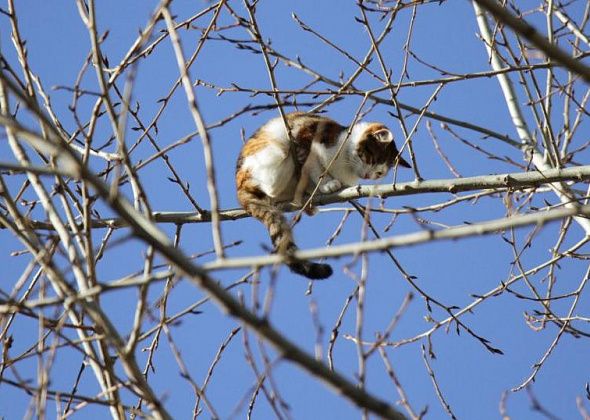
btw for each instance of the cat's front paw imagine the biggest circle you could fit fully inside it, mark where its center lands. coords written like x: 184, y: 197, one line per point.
x: 331, y: 186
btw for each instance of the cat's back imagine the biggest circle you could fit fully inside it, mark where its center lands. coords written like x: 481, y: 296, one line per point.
x: 304, y: 127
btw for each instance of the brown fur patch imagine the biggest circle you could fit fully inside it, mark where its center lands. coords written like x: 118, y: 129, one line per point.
x: 332, y: 131
x: 309, y: 128
x: 308, y: 132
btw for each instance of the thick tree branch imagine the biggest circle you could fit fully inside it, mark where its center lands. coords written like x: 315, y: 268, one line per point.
x: 513, y: 181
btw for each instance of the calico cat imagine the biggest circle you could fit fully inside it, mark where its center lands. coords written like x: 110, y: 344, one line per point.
x: 271, y: 169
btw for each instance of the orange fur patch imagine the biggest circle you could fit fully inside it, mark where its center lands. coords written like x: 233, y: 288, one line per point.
x: 242, y: 178
x: 247, y: 189
x: 256, y: 143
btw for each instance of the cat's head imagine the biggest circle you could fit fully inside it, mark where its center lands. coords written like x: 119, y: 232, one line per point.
x: 375, y: 151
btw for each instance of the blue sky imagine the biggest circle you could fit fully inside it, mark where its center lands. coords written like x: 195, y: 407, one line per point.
x: 471, y: 378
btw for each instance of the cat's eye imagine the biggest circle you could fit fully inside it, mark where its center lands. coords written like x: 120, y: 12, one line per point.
x: 379, y: 174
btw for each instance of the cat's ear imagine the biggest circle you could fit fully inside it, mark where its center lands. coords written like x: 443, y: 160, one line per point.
x: 383, y: 135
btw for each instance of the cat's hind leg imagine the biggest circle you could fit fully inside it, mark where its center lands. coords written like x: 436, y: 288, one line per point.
x: 273, y: 170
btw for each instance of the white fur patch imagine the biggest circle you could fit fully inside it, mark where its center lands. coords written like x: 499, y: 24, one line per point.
x: 272, y: 169
x: 275, y: 129
x: 346, y: 168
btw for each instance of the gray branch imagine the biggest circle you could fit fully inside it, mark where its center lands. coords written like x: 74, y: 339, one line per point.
x: 513, y: 181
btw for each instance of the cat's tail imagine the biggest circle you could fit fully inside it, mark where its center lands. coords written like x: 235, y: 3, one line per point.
x: 311, y: 270
x: 281, y: 235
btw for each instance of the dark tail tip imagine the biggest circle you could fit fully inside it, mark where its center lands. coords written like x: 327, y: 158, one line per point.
x: 311, y: 270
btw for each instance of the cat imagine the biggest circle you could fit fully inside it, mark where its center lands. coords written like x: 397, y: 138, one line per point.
x: 272, y: 169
